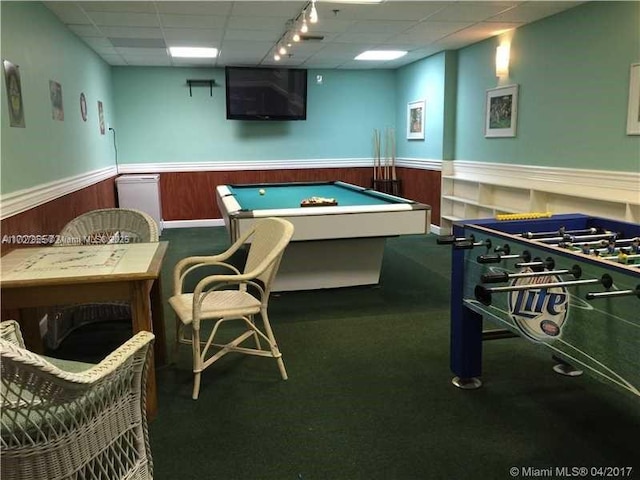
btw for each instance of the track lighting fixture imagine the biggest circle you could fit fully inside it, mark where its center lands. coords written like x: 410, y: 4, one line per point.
x: 294, y: 28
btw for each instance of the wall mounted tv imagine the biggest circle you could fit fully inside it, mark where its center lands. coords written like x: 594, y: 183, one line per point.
x: 266, y: 93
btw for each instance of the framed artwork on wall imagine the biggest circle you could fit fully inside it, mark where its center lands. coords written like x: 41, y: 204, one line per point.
x: 83, y: 107
x: 101, y: 118
x: 633, y: 113
x: 415, y: 120
x: 57, y: 107
x: 501, y: 112
x: 14, y: 94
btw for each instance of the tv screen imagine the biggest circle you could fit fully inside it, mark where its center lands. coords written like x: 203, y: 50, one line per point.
x: 266, y: 93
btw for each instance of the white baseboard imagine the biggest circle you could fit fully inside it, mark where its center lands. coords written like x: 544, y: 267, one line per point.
x: 218, y: 222
x: 205, y: 222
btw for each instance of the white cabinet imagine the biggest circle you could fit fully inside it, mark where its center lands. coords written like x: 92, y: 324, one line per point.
x: 141, y: 192
x: 481, y: 190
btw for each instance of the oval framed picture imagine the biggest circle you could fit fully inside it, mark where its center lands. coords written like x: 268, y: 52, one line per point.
x: 83, y: 107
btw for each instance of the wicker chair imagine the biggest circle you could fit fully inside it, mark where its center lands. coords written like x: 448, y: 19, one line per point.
x: 234, y: 296
x: 108, y: 225
x: 72, y: 420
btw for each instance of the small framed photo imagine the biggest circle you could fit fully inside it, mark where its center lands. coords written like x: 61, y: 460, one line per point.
x: 633, y: 115
x: 101, y: 118
x: 14, y: 94
x: 415, y: 120
x: 57, y: 107
x: 83, y: 107
x: 501, y: 116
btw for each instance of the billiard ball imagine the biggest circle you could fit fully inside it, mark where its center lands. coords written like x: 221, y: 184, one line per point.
x: 261, y: 191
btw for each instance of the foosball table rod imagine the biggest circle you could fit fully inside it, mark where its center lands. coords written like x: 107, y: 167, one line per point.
x: 614, y: 293
x: 497, y: 258
x: 576, y: 271
x: 560, y: 232
x: 483, y: 294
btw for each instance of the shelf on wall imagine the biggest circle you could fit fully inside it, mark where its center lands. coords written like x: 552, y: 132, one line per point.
x: 465, y: 198
x: 198, y: 82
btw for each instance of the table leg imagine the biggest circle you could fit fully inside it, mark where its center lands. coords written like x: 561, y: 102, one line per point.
x: 141, y: 320
x: 29, y: 321
x: 157, y: 317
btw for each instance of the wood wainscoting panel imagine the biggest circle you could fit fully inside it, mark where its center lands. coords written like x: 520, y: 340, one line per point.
x: 191, y: 195
x: 422, y: 186
x: 50, y: 217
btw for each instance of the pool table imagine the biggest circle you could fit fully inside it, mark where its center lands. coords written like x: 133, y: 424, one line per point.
x: 332, y: 246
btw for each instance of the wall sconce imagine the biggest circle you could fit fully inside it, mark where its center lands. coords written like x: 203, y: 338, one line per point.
x: 502, y: 60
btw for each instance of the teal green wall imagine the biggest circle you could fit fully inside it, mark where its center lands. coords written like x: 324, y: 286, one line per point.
x: 48, y: 150
x: 573, y: 73
x: 422, y: 80
x: 434, y: 80
x: 157, y: 121
x: 572, y: 68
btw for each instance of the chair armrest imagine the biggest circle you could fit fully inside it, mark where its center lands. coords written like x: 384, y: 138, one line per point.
x: 178, y: 275
x: 139, y: 342
x: 10, y: 332
x: 189, y: 264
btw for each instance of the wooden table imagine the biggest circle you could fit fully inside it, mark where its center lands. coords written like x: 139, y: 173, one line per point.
x: 48, y: 276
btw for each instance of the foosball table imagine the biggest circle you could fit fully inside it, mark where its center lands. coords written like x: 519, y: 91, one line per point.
x: 570, y: 283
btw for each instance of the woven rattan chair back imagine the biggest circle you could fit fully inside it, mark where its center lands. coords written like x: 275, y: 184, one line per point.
x: 232, y: 297
x: 111, y: 225
x: 107, y: 225
x: 60, y: 425
x: 268, y: 241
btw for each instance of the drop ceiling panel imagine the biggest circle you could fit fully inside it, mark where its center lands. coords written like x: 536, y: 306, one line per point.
x: 119, y: 7
x: 193, y: 21
x: 247, y: 31
x: 124, y: 19
x: 200, y: 37
x: 195, y: 8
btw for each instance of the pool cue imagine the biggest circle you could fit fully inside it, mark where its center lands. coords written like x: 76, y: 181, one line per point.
x: 375, y: 173
x: 378, y: 140
x: 393, y: 154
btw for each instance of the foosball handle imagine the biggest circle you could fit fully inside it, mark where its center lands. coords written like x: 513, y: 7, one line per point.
x: 449, y: 239
x: 489, y: 259
x: 494, y: 277
x: 445, y: 239
x: 464, y: 245
x: 482, y: 295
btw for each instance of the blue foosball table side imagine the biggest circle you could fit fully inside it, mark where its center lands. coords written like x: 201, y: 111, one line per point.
x: 559, y: 282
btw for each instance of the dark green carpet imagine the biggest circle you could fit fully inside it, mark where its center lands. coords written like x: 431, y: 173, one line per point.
x: 369, y: 393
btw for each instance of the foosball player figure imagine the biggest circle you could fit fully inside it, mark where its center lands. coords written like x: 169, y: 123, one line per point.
x: 611, y: 246
x: 585, y: 248
x: 635, y: 246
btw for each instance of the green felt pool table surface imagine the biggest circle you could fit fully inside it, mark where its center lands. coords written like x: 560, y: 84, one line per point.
x: 283, y: 195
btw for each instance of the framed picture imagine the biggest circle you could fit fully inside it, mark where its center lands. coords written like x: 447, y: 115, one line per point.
x: 415, y: 120
x: 83, y: 107
x: 14, y: 94
x: 501, y: 114
x: 633, y: 115
x: 101, y: 117
x: 57, y: 107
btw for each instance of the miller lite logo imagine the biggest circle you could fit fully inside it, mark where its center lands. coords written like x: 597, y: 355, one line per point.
x: 539, y: 312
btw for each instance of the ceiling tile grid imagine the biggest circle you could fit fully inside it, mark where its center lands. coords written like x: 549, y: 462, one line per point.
x: 138, y: 33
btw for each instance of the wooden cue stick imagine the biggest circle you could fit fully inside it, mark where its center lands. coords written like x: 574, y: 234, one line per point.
x: 379, y: 137
x: 384, y: 169
x: 375, y: 173
x: 393, y: 154
x: 376, y: 153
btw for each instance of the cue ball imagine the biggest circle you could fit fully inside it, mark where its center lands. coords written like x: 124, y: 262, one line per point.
x: 261, y: 191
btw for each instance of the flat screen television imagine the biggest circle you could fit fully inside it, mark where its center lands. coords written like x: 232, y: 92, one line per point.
x: 266, y: 93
